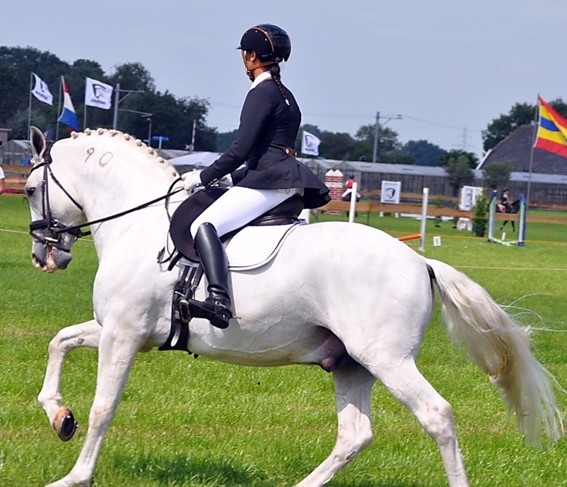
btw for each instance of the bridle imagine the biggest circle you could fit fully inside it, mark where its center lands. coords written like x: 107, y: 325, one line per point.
x: 50, y: 231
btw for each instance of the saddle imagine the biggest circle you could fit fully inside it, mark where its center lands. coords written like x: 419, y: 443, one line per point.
x: 284, y: 215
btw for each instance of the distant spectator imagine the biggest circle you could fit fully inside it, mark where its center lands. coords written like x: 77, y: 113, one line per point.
x: 2, y: 181
x: 348, y: 190
x: 25, y: 160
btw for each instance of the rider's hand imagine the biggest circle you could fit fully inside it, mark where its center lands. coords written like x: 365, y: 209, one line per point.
x: 226, y: 180
x: 191, y: 180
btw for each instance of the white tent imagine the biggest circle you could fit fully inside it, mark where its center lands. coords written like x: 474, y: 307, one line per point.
x: 195, y: 159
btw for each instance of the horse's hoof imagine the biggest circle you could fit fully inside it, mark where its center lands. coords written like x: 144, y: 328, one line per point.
x: 65, y: 424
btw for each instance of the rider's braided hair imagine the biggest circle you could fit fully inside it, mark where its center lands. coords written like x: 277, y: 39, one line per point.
x: 275, y: 72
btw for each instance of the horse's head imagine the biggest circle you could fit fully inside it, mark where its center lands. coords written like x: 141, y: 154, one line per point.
x: 54, y: 208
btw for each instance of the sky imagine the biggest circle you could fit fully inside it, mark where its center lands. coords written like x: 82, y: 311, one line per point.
x: 447, y: 67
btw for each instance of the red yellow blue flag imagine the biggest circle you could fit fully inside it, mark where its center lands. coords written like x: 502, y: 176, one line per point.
x: 551, y: 130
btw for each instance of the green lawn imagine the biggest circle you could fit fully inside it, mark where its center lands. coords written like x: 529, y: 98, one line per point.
x: 187, y: 422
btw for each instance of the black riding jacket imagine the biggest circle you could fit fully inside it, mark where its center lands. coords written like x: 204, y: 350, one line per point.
x: 264, y: 143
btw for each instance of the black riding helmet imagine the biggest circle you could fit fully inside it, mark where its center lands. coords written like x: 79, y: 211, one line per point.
x: 268, y: 41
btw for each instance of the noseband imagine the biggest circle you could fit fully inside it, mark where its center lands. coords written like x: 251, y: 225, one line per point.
x: 50, y: 231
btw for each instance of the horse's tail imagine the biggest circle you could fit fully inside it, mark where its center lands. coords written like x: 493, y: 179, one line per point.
x: 501, y: 348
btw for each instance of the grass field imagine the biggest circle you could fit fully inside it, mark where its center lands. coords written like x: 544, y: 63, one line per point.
x: 187, y: 422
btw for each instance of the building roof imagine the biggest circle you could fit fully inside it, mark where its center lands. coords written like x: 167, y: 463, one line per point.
x: 204, y: 159
x: 195, y: 159
x: 171, y: 153
x: 517, y: 150
x: 348, y: 167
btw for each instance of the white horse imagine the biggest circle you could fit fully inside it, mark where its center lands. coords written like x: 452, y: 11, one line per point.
x: 347, y: 297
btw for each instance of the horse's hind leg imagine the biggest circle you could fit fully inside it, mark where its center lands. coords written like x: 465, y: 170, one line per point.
x: 435, y: 414
x: 82, y: 335
x: 353, y: 385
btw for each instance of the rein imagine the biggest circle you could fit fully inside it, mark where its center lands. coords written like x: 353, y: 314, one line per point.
x: 53, y: 229
x: 72, y: 228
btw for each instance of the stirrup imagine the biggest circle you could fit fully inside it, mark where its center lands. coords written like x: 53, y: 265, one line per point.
x: 184, y: 311
x: 216, y: 312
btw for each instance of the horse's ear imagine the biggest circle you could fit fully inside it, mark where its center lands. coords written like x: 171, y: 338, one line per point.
x: 38, y: 144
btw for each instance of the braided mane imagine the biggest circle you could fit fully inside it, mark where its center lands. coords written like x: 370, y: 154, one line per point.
x: 136, y: 143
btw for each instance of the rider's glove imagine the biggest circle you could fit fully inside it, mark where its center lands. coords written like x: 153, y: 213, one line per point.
x: 191, y: 180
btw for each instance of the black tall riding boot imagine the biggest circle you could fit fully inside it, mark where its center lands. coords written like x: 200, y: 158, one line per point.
x: 216, y: 307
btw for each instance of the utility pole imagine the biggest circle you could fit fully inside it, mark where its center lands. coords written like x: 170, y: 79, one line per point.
x: 193, y: 134
x: 117, y: 101
x: 465, y: 143
x: 377, y: 131
x: 376, y: 135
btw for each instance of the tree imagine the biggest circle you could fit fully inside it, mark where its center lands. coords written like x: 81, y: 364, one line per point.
x: 133, y: 76
x: 500, y: 128
x: 336, y: 145
x: 16, y: 66
x: 19, y: 123
x: 171, y: 117
x: 425, y: 153
x: 480, y: 211
x: 387, y: 137
x: 388, y: 151
x: 471, y: 158
x: 361, y: 151
x: 366, y: 133
x: 225, y: 139
x: 497, y: 174
x: 459, y: 171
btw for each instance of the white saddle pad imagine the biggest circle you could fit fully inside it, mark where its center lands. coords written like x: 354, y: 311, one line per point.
x: 254, y: 247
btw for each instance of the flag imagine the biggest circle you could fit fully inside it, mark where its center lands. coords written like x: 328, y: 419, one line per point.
x: 98, y: 94
x: 41, y: 90
x: 68, y: 115
x: 551, y: 130
x: 309, y: 144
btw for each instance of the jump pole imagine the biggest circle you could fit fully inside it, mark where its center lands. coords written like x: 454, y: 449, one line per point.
x: 423, y: 218
x: 492, y: 216
x: 522, y: 213
x: 352, y: 208
x: 409, y: 237
x: 522, y: 221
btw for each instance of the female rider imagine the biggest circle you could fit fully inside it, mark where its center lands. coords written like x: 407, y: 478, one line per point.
x: 269, y: 122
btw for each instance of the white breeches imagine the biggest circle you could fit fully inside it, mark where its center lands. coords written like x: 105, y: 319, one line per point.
x: 239, y: 206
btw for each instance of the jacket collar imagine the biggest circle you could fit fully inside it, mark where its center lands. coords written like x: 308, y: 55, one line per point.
x: 261, y: 77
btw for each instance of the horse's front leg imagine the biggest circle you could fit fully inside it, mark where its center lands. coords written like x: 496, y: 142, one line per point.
x: 85, y: 334
x: 117, y: 350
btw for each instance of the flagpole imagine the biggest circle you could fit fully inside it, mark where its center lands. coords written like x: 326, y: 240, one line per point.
x: 85, y: 106
x: 58, y: 110
x: 29, y: 103
x: 532, y: 152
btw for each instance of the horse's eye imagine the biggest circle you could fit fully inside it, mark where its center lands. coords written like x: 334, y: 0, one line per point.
x: 30, y: 192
